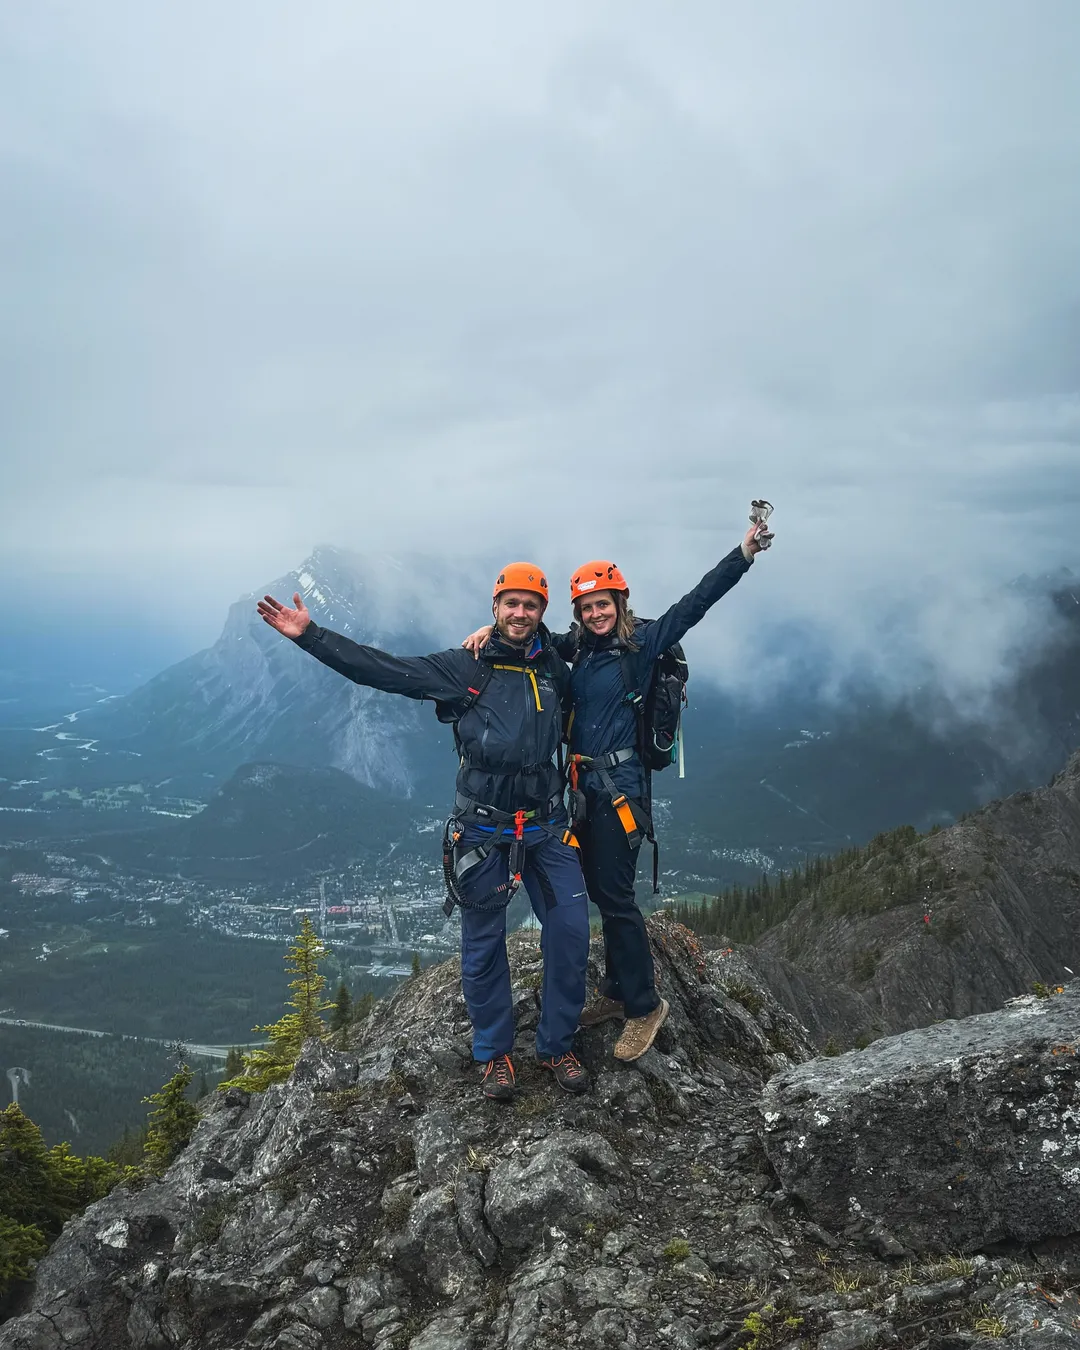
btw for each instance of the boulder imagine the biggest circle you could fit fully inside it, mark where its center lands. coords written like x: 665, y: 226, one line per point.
x: 952, y: 1137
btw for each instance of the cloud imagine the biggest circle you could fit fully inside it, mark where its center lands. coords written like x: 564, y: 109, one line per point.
x: 555, y: 284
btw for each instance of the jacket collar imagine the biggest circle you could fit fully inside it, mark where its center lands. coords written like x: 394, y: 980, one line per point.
x: 499, y: 649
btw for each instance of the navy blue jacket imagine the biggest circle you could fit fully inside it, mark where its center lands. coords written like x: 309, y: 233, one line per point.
x: 603, y: 719
x: 508, y: 743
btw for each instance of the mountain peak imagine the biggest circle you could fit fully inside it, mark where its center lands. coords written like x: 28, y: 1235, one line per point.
x: 375, y: 1195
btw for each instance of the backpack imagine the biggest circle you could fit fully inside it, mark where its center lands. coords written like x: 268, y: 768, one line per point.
x: 659, y: 711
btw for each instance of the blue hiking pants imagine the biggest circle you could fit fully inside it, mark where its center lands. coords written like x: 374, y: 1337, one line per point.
x: 552, y: 877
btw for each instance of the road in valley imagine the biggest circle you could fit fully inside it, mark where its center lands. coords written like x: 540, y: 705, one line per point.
x: 203, y: 1051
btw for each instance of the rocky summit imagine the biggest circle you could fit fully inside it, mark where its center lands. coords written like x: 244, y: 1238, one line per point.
x: 727, y: 1190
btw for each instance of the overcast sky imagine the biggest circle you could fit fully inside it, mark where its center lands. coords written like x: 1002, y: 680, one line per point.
x: 565, y: 280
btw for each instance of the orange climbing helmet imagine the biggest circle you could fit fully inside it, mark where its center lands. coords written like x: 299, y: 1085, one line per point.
x: 597, y: 576
x: 521, y: 576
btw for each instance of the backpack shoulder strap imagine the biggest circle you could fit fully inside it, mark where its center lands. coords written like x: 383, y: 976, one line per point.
x: 454, y: 711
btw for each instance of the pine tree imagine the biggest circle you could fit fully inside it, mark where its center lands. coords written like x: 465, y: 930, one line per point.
x: 274, y: 1062
x: 363, y: 1007
x: 415, y: 964
x: 204, y: 1086
x: 234, y: 1063
x: 40, y: 1189
x: 171, y: 1122
x: 19, y: 1245
x: 28, y: 1191
x: 341, y: 1016
x: 129, y: 1149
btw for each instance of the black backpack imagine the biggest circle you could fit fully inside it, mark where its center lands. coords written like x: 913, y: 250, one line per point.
x: 659, y: 707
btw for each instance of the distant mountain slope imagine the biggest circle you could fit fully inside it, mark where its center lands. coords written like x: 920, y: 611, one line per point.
x: 1002, y: 891
x: 272, y: 821
x: 768, y: 781
x: 770, y: 788
x: 253, y: 695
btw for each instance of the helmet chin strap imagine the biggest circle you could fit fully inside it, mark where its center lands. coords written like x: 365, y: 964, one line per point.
x: 521, y: 643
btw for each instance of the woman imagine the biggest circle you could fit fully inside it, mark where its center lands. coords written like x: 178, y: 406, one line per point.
x: 605, y: 753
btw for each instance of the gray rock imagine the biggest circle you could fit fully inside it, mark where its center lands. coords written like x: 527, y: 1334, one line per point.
x: 319, y: 1308
x: 681, y: 1334
x: 380, y: 1318
x: 954, y: 1136
x: 31, y: 1332
x: 605, y: 1327
x: 299, y: 1336
x: 477, y: 1238
x: 562, y: 1183
x: 144, y: 1327
x: 439, y: 1150
x: 852, y: 1331
x: 265, y: 1326
x: 444, y: 1333
x: 625, y: 1097
x: 322, y: 1271
x: 930, y: 1295
x: 428, y: 1249
x: 1034, y: 1322
x: 362, y: 1294
x: 217, y: 1289
x: 601, y: 1287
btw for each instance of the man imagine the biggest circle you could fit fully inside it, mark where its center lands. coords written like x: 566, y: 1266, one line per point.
x: 509, y: 826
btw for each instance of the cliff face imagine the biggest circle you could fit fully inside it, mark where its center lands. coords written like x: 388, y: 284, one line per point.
x: 376, y: 1200
x: 1002, y: 891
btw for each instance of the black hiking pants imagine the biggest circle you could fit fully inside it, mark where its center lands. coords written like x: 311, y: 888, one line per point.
x: 610, y: 866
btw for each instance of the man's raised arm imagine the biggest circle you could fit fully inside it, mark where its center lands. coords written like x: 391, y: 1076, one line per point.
x: 443, y: 675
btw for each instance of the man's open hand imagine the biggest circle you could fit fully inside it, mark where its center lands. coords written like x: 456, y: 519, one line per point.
x: 289, y: 622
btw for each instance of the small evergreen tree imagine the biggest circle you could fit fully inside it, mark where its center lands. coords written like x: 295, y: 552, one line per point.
x: 19, y: 1245
x: 172, y: 1121
x: 274, y: 1062
x: 130, y: 1149
x: 342, y: 1013
x: 415, y: 964
x: 363, y: 1007
x: 204, y: 1086
x: 40, y: 1189
x: 234, y: 1063
x: 341, y: 1016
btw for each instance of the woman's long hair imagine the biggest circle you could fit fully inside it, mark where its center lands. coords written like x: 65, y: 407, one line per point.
x: 624, y: 621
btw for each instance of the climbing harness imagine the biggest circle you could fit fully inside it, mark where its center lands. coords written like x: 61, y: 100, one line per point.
x: 635, y: 820
x: 507, y: 826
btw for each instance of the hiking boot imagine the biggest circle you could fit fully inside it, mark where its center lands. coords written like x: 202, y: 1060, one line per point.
x: 603, y: 1009
x: 640, y: 1032
x: 499, y: 1079
x: 569, y: 1073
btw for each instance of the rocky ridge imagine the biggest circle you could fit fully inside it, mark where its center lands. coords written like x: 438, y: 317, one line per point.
x: 376, y: 1200
x: 950, y: 924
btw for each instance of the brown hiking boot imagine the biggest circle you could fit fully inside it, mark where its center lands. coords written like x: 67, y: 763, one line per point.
x: 602, y: 1009
x: 640, y: 1032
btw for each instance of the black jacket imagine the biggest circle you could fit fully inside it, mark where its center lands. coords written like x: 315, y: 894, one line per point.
x: 603, y: 719
x: 508, y: 738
